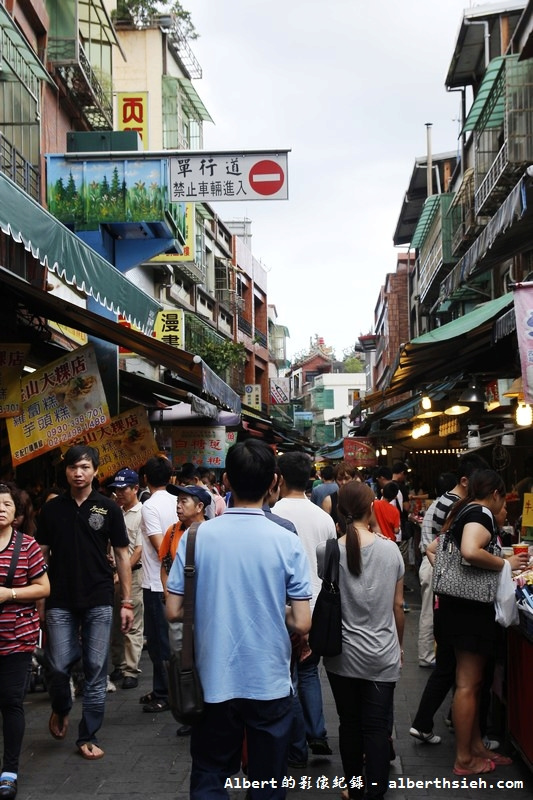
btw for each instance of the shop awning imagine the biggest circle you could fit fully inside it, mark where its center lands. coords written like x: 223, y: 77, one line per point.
x: 59, y: 249
x: 188, y: 370
x: 464, y: 345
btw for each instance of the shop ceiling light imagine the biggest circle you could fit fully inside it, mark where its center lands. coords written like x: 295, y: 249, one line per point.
x: 456, y: 409
x: 524, y: 414
x: 516, y: 389
x: 420, y: 430
x: 426, y: 402
x: 473, y: 393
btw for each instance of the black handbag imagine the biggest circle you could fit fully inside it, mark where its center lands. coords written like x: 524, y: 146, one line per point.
x: 325, y: 636
x: 185, y: 693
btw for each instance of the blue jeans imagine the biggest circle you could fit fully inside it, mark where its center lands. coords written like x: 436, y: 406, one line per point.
x: 216, y: 747
x: 69, y: 636
x: 310, y: 694
x: 157, y: 641
x: 364, y: 709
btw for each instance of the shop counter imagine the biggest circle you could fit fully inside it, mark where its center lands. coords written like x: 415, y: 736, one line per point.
x: 520, y: 687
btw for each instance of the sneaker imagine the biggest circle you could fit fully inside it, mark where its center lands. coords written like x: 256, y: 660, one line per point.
x: 320, y: 747
x: 130, y: 682
x: 491, y: 744
x: 406, y: 608
x: 110, y: 685
x: 427, y: 664
x: 426, y: 738
x: 297, y: 764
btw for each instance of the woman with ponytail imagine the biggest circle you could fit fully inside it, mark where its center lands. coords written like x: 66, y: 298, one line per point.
x: 363, y: 676
x: 469, y: 625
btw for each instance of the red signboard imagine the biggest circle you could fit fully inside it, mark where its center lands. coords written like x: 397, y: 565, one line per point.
x: 360, y: 452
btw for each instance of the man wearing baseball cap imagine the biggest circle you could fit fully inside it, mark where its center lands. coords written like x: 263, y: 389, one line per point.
x: 126, y: 648
x: 192, y: 502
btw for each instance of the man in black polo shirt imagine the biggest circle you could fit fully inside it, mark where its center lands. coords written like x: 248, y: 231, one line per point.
x: 74, y: 531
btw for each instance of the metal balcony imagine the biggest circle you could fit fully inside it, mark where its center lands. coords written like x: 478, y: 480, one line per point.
x: 16, y: 167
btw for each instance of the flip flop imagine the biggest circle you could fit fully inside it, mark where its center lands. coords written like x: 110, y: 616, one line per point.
x: 87, y: 750
x: 488, y: 766
x: 58, y: 725
x: 500, y: 760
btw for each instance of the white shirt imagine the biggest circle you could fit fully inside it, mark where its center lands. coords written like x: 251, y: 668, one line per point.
x: 314, y: 525
x: 158, y: 513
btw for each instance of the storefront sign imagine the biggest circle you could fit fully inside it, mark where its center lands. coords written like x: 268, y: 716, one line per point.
x: 359, y: 452
x: 170, y: 327
x: 132, y: 114
x: 60, y: 402
x: 126, y: 441
x: 280, y: 391
x: 204, y: 447
x: 12, y: 360
x: 523, y: 307
x: 252, y: 396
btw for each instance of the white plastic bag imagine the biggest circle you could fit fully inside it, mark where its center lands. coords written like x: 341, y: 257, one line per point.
x: 505, y: 604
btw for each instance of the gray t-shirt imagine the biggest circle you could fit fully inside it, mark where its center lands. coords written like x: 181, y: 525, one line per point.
x: 370, y: 647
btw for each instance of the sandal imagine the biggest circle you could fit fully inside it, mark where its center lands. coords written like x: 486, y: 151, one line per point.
x: 147, y: 698
x: 500, y: 760
x: 58, y: 725
x: 90, y: 751
x: 155, y: 706
x: 487, y: 766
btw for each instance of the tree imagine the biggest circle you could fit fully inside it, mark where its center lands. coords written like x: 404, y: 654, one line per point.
x: 351, y: 361
x: 142, y: 12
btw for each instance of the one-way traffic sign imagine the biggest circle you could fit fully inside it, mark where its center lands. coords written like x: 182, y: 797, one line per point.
x: 212, y: 177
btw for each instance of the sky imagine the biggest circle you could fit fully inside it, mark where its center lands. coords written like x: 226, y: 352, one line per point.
x: 348, y: 86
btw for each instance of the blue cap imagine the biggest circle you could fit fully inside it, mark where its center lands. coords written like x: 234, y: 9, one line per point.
x: 124, y: 477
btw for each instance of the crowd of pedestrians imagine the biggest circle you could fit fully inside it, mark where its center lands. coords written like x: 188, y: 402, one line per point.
x: 101, y: 566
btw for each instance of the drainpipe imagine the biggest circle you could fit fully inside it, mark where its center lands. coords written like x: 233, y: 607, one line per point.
x: 429, y: 160
x: 486, y: 36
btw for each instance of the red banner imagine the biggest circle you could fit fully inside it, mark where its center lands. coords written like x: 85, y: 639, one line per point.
x: 360, y: 452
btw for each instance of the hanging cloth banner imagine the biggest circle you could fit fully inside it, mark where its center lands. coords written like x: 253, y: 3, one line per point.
x: 523, y: 308
x: 60, y: 402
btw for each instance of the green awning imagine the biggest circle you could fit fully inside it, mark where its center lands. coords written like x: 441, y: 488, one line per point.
x: 59, y: 249
x: 497, y: 113
x: 194, y: 99
x: 22, y: 47
x: 466, y: 323
x: 427, y: 216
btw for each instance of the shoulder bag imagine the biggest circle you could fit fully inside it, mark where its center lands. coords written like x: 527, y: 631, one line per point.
x: 325, y: 636
x: 185, y: 693
x: 454, y: 576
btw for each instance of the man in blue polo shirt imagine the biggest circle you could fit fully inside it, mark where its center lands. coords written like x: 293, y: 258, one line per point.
x: 247, y: 567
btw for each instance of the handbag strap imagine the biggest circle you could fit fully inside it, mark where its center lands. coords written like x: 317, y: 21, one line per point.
x: 17, y: 544
x: 331, y: 561
x: 189, y: 595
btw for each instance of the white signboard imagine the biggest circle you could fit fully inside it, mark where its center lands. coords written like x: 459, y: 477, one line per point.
x: 212, y: 177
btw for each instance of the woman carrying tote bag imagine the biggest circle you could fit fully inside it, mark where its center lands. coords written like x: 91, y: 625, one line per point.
x: 363, y: 676
x: 471, y: 625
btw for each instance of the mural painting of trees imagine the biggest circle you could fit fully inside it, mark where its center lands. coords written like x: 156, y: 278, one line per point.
x: 109, y: 194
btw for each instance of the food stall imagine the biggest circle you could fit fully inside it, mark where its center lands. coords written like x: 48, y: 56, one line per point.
x: 520, y: 669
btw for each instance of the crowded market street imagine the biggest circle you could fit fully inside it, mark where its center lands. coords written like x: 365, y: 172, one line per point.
x: 144, y: 757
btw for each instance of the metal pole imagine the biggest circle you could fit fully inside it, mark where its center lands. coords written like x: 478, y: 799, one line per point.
x: 429, y: 160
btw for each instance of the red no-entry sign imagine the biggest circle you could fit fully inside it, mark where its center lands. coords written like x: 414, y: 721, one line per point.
x: 266, y: 177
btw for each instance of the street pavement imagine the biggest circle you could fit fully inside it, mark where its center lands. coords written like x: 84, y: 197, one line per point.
x: 145, y: 759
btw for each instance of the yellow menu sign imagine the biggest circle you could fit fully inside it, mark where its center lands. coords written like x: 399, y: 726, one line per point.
x: 59, y: 402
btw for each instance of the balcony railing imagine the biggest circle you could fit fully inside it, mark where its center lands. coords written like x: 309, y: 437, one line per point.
x: 261, y: 338
x: 245, y: 326
x: 16, y: 167
x: 82, y: 84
